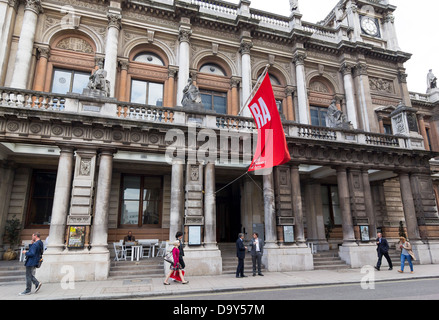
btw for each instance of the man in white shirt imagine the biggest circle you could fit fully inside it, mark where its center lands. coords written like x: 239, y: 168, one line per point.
x: 257, y: 250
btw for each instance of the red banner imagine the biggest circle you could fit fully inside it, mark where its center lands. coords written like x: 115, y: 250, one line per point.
x: 272, y: 149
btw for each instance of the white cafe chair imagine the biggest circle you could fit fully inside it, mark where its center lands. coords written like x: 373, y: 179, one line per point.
x: 119, y: 251
x: 161, y: 251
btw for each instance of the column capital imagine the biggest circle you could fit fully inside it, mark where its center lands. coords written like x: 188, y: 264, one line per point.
x: 299, y: 57
x: 114, y: 20
x: 346, y: 68
x: 172, y: 71
x: 245, y: 47
x: 43, y: 51
x: 124, y: 64
x: 234, y: 82
x: 289, y: 91
x: 184, y: 35
x: 360, y: 69
x: 14, y: 4
x: 33, y: 5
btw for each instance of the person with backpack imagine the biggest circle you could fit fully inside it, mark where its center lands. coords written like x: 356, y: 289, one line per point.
x: 33, y: 257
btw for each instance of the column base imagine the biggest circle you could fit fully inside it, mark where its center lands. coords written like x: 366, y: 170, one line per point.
x: 74, y: 265
x: 358, y: 256
x: 422, y: 252
x: 434, y: 251
x: 288, y: 258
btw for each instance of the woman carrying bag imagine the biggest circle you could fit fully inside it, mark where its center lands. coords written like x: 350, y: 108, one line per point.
x: 406, y: 254
x: 176, y: 270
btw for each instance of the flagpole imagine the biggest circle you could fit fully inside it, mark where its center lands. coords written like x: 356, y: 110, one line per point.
x: 255, y: 88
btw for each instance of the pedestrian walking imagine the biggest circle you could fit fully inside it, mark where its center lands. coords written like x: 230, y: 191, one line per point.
x: 383, y: 250
x: 406, y: 254
x: 179, y: 237
x: 33, y: 256
x: 240, y: 253
x: 256, y: 251
x: 176, y: 270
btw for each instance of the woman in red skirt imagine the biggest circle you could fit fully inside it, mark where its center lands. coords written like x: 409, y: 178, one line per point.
x: 176, y: 272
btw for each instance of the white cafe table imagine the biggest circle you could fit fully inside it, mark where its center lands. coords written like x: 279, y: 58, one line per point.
x: 136, y: 251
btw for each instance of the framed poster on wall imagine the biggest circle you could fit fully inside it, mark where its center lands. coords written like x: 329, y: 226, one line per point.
x: 288, y: 234
x: 76, y: 237
x: 194, y: 237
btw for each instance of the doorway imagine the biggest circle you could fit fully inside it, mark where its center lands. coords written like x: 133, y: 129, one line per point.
x: 228, y: 213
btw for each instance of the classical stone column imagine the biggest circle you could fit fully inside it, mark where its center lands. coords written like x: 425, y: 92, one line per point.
x: 111, y: 47
x: 124, y: 64
x: 423, y: 131
x: 289, y: 92
x: 346, y: 70
x: 344, y: 199
x: 234, y: 83
x: 8, y: 13
x: 40, y: 77
x: 364, y: 99
x: 209, y: 207
x: 302, y: 95
x: 177, y: 198
x: 246, y: 71
x: 169, y: 99
x: 61, y: 200
x: 390, y: 32
x: 7, y: 173
x: 269, y: 212
x: 99, y: 236
x: 23, y: 58
x: 297, y: 206
x: 368, y: 203
x: 409, y: 208
x: 183, y: 61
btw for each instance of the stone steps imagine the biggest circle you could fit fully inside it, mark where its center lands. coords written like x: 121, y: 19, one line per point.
x: 328, y: 260
x: 12, y: 272
x: 145, y: 268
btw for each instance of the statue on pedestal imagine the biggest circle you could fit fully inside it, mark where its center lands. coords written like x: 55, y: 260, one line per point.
x: 192, y: 97
x: 431, y: 80
x: 336, y: 119
x: 294, y: 5
x: 98, y: 85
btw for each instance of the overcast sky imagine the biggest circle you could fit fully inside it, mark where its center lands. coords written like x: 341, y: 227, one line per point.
x: 416, y: 27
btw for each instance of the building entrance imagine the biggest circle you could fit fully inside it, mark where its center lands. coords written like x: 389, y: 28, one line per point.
x: 228, y: 213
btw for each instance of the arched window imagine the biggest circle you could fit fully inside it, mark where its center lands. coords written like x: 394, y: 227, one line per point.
x: 212, y: 68
x: 149, y: 57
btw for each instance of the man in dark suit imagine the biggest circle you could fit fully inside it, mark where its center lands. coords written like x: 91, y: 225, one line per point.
x: 383, y: 250
x: 257, y: 250
x: 240, y: 253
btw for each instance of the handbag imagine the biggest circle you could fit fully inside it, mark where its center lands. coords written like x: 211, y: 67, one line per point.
x: 40, y: 262
x: 169, y: 258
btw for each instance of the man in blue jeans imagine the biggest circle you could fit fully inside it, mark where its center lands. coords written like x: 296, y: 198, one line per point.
x: 33, y: 256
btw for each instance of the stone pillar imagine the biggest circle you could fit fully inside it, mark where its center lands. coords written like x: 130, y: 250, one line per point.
x: 302, y: 95
x: 345, y: 207
x: 177, y: 199
x: 112, y: 42
x: 7, y: 173
x: 409, y: 208
x: 183, y: 58
x: 390, y: 32
x: 8, y: 13
x: 61, y: 200
x: 23, y: 58
x: 99, y: 236
x: 296, y: 196
x: 423, y: 131
x: 367, y: 116
x: 40, y: 77
x: 169, y: 99
x: 234, y: 83
x: 368, y: 204
x: 123, y: 92
x: 269, y: 212
x: 289, y: 92
x: 210, y: 207
x: 348, y: 81
x: 246, y: 71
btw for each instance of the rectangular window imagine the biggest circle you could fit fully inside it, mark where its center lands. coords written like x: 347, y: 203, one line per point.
x: 214, y: 101
x: 65, y: 81
x: 141, y: 200
x: 149, y: 93
x: 318, y: 116
x: 41, y: 198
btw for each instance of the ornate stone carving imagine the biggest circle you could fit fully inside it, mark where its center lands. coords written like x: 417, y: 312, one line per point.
x: 75, y: 44
x: 381, y: 85
x: 114, y: 20
x: 85, y: 167
x: 245, y: 47
x: 34, y: 5
x: 299, y: 58
x: 184, y: 35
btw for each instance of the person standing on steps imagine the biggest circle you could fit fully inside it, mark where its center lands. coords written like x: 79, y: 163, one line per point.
x: 256, y: 251
x: 383, y: 250
x: 240, y: 253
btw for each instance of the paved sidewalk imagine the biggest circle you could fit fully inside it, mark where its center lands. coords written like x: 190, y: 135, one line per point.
x: 153, y: 287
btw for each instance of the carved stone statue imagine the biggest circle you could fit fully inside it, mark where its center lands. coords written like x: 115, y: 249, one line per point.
x: 98, y: 85
x: 335, y: 118
x: 431, y: 80
x: 294, y: 5
x: 192, y: 97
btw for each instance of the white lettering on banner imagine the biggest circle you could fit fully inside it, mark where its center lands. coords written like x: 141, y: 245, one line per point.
x: 261, y: 113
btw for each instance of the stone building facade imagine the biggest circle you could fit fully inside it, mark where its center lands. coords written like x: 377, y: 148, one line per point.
x: 107, y: 163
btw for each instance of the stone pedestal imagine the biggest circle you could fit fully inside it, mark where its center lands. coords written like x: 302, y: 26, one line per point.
x: 288, y: 258
x: 358, y: 256
x: 434, y: 251
x: 433, y: 95
x: 74, y: 265
x: 202, y: 261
